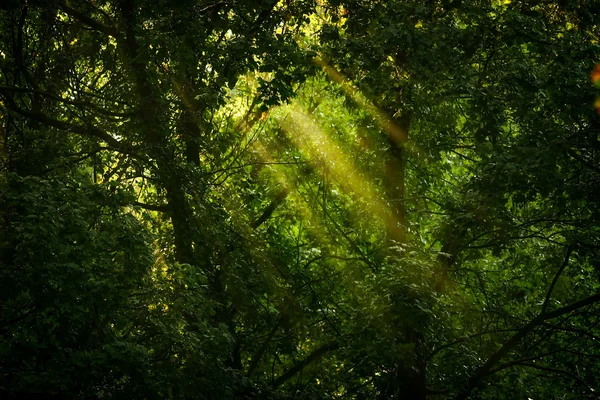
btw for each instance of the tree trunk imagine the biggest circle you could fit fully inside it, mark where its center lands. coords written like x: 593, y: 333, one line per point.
x: 395, y: 187
x: 156, y: 135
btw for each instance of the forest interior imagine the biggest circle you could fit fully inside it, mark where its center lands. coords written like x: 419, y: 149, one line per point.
x: 300, y: 199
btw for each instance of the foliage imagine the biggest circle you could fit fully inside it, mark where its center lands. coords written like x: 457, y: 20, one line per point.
x: 299, y: 200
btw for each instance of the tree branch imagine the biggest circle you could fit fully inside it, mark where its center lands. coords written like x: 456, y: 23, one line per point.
x: 85, y: 130
x: 91, y: 22
x: 486, y: 369
x: 211, y: 6
x: 441, y: 348
x: 71, y: 102
x: 276, y: 202
x: 257, y: 357
x: 555, y: 370
x: 312, y: 357
x: 151, y: 207
x: 509, y: 364
x: 572, y: 307
x: 558, y: 273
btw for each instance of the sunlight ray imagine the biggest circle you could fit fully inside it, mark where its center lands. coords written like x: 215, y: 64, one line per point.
x: 396, y: 133
x: 285, y: 181
x: 309, y: 136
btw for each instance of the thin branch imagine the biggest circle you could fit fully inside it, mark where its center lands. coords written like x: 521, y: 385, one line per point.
x: 226, y: 169
x: 71, y: 102
x: 508, y: 346
x: 353, y: 244
x: 258, y: 356
x: 276, y: 202
x: 86, y: 130
x: 91, y: 22
x: 574, y: 330
x: 555, y: 370
x: 558, y: 273
x: 312, y: 357
x: 75, y: 158
x: 211, y: 6
x: 572, y: 307
x: 437, y: 350
x: 523, y: 360
x: 151, y: 207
